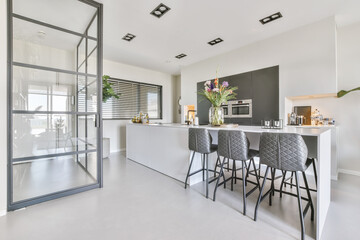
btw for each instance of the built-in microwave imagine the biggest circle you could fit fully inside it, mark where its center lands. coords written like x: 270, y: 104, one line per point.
x: 238, y: 109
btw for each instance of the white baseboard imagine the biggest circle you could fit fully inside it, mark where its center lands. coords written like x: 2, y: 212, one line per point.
x: 350, y: 172
x: 118, y: 150
x: 3, y: 213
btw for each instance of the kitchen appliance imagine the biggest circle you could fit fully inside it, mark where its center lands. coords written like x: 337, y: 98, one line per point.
x: 238, y: 109
x: 304, y: 111
x: 292, y: 119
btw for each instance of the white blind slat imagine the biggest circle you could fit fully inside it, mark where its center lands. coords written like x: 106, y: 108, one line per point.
x: 134, y: 98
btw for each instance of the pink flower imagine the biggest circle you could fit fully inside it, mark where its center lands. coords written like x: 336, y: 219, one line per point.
x: 225, y: 84
x: 208, y: 89
x: 216, y: 90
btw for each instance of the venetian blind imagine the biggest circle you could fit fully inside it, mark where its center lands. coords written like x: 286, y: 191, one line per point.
x: 134, y: 98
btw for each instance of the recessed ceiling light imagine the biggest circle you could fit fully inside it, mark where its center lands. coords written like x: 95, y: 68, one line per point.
x: 129, y: 37
x: 271, y: 18
x: 181, y: 56
x: 215, y: 41
x: 160, y: 10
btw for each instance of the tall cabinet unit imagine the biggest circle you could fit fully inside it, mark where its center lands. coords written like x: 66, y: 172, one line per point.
x: 54, y: 89
x: 262, y: 86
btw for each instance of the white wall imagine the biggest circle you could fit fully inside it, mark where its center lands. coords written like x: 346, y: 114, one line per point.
x: 345, y: 110
x: 116, y: 129
x: 306, y: 56
x: 3, y: 107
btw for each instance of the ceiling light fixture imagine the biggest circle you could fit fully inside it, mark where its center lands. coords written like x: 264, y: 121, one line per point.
x: 128, y: 37
x: 160, y: 10
x: 181, y: 56
x: 271, y: 18
x: 215, y: 41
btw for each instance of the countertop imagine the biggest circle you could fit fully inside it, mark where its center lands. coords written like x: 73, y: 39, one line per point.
x: 305, y: 131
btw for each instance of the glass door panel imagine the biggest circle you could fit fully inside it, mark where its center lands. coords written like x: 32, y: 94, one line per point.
x: 43, y: 46
x: 44, y: 176
x: 55, y: 111
x: 72, y: 15
x: 44, y: 134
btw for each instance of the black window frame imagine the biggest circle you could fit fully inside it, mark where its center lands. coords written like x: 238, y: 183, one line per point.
x: 138, y: 83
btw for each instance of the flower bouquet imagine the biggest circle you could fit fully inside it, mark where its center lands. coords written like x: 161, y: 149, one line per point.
x: 217, y: 94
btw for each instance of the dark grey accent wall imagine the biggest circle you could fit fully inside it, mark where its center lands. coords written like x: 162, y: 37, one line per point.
x: 262, y: 86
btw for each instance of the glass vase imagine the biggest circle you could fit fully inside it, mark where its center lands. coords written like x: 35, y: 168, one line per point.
x: 216, y: 116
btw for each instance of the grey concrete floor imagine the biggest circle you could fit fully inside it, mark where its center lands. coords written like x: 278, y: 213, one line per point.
x: 139, y: 203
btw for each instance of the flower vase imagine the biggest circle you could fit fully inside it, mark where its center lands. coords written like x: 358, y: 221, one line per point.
x: 216, y: 116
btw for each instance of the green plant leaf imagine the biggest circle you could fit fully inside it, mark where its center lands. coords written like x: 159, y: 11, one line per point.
x: 343, y: 92
x: 108, y: 91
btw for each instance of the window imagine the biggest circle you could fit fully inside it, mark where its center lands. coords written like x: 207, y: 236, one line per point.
x: 135, y: 97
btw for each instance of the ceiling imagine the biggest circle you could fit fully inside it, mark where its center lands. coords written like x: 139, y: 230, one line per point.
x: 190, y: 24
x: 186, y: 28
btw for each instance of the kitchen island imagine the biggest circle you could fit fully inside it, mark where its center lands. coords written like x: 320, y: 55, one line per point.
x: 164, y: 148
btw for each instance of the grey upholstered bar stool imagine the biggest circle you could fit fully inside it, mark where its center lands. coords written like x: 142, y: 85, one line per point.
x: 289, y: 180
x: 285, y: 152
x: 200, y: 141
x: 235, y: 145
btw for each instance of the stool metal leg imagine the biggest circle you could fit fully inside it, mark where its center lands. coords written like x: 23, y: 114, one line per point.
x: 300, y: 207
x: 309, y: 196
x: 260, y: 194
x: 244, y: 186
x: 247, y: 172
x: 235, y: 171
x: 218, y: 179
x: 291, y: 179
x: 216, y: 164
x: 272, y: 185
x: 315, y: 173
x: 256, y: 175
x: 282, y: 182
x: 191, y: 162
x: 223, y: 174
x: 233, y: 175
x: 207, y: 175
x: 203, y: 165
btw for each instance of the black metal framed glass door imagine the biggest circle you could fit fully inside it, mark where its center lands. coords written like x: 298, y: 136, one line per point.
x: 54, y: 89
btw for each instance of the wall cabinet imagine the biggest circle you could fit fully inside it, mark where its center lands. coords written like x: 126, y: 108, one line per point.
x: 262, y: 86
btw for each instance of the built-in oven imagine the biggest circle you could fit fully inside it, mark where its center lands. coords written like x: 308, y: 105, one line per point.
x: 226, y: 110
x: 238, y: 109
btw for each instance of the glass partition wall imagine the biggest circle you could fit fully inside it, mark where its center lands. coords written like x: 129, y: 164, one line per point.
x: 55, y: 89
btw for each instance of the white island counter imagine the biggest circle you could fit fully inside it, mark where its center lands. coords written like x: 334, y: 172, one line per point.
x: 164, y: 148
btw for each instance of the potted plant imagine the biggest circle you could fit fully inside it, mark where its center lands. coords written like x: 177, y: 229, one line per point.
x: 217, y: 93
x: 108, y: 91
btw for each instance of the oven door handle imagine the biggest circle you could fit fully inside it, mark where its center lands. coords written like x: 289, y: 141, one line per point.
x: 241, y: 105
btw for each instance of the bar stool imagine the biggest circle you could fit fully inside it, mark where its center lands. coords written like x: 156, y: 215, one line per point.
x: 200, y: 141
x: 285, y: 152
x: 235, y: 145
x: 285, y: 181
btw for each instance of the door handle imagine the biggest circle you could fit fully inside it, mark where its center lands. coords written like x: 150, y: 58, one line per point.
x: 97, y: 120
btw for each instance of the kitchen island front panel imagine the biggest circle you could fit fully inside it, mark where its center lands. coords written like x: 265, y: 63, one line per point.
x: 164, y: 148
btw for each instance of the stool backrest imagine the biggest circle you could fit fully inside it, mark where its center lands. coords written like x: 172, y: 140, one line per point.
x: 284, y: 151
x: 233, y: 145
x: 199, y: 140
